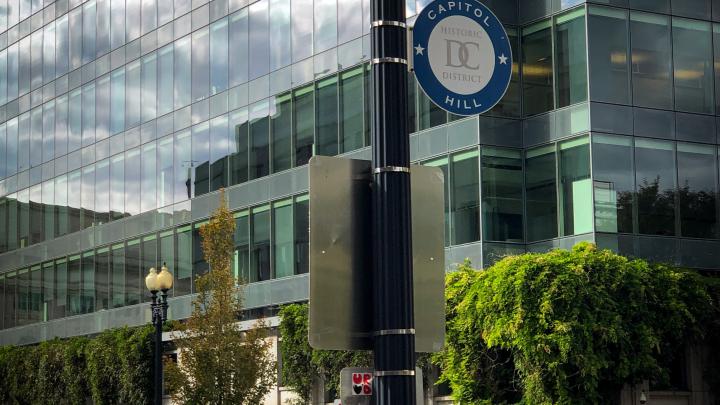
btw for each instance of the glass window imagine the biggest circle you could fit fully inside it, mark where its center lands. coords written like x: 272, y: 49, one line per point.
x: 652, y: 79
x: 36, y: 215
x: 117, y: 101
x: 102, y: 281
x: 133, y: 273
x: 183, y: 273
x: 132, y: 18
x: 73, y: 286
x: 149, y: 186
x: 301, y: 217
x: 132, y: 181
x: 24, y: 71
x: 429, y: 114
x: 165, y: 12
x: 571, y: 59
x: 3, y: 159
x: 75, y: 28
x: 183, y: 166
x: 88, y: 114
x: 48, y: 148
x: 693, y: 68
x: 87, y: 294
x: 75, y: 120
x: 36, y: 55
x: 12, y: 147
x: 48, y: 207
x: 259, y: 141
x: 49, y: 301
x: 10, y: 300
x: 537, y: 68
x: 117, y: 287
x: 102, y: 43
x: 12, y: 222
x: 117, y: 186
x: 219, y: 153
x: 352, y: 111
x: 260, y: 248
x: 219, y: 56
x: 280, y: 34
x: 304, y: 124
x: 238, y: 68
x: 88, y: 196
x: 3, y: 77
x: 576, y: 186
x: 24, y: 142
x: 259, y: 50
x: 182, y: 72
x: 36, y: 136
x: 510, y: 105
x: 48, y: 52
x: 149, y: 87
x: 502, y: 194
x: 62, y: 46
x: 200, y: 64
x: 73, y: 199
x: 133, y: 88
x: 149, y: 15
x: 22, y: 293
x: 13, y: 73
x: 36, y: 312
x: 281, y: 129
x: 541, y: 193
x: 302, y: 33
x: 325, y: 24
x: 23, y: 198
x: 201, y: 158
x: 283, y: 238
x: 241, y: 259
x: 88, y: 32
x: 326, y: 118
x: 165, y: 80
x: 692, y: 8
x: 149, y: 256
x: 716, y: 48
x: 3, y: 228
x: 117, y: 14
x: 61, y: 125
x: 614, y: 183
x: 61, y: 206
x: 697, y: 190
x: 165, y: 171
x: 655, y: 180
x: 102, y: 108
x: 351, y: 14
x: 465, y: 199
x: 102, y: 192
x: 239, y: 159
x: 660, y: 6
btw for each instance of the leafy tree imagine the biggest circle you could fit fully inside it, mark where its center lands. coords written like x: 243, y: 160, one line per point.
x: 302, y: 364
x: 572, y: 326
x: 219, y: 363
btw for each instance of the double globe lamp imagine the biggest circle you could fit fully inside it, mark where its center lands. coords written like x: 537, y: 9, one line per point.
x: 158, y: 282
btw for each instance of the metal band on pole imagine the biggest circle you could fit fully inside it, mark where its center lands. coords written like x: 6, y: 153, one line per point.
x: 386, y: 23
x: 376, y: 61
x: 389, y: 373
x: 392, y: 169
x: 394, y: 332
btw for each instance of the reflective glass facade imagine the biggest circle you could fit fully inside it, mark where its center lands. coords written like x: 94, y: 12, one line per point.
x: 120, y: 119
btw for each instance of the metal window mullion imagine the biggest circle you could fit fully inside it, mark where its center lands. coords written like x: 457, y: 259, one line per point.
x: 560, y: 220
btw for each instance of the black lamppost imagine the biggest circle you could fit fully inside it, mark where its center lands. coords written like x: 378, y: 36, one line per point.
x: 158, y: 282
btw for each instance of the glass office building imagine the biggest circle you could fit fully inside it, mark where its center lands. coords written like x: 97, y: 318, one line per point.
x: 120, y: 120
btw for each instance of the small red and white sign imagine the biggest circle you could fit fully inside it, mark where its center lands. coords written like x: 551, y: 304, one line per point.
x: 362, y: 383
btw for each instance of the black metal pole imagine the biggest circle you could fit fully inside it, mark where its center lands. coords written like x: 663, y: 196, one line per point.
x: 157, y: 321
x: 394, y: 341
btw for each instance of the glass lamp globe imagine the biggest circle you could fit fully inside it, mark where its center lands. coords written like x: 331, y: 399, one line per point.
x: 151, y: 281
x: 164, y: 279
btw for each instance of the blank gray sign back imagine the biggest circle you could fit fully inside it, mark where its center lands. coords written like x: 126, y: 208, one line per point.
x: 340, y: 255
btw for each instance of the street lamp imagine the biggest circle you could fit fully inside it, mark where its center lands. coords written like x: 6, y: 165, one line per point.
x: 155, y: 282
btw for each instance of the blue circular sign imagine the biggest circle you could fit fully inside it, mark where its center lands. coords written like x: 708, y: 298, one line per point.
x: 462, y: 56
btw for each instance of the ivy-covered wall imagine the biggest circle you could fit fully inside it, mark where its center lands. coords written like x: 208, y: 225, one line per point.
x: 114, y: 367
